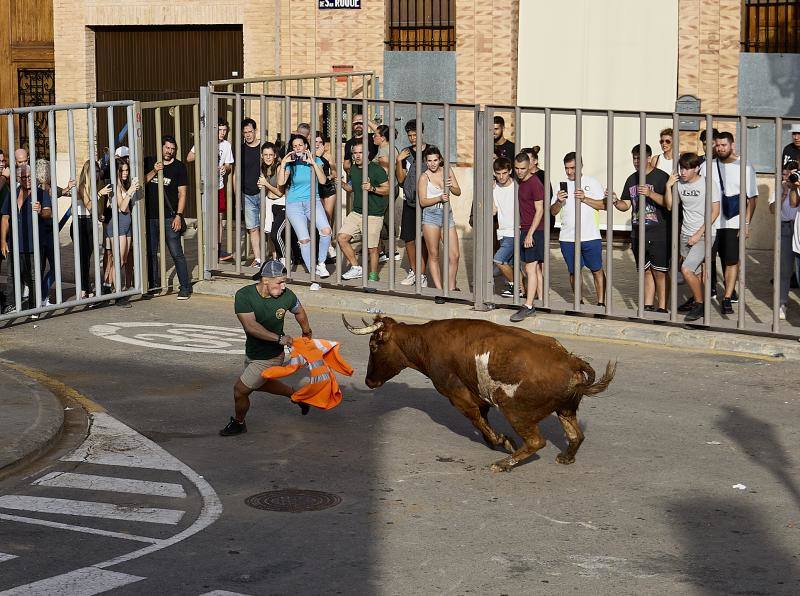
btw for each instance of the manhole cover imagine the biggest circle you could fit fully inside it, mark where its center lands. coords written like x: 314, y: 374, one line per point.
x: 293, y: 500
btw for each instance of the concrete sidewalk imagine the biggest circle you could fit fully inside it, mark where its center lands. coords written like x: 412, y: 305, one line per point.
x: 32, y: 417
x: 550, y: 324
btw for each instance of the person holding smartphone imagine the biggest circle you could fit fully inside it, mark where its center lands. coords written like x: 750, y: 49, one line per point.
x: 590, y: 195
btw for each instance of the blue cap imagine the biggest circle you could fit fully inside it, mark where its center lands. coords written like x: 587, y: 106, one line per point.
x: 271, y: 268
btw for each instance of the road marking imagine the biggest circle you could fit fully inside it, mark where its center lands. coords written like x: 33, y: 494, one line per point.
x: 182, y: 337
x: 223, y: 593
x: 6, y: 557
x: 52, y: 524
x: 112, y: 484
x: 153, y: 515
x: 86, y: 581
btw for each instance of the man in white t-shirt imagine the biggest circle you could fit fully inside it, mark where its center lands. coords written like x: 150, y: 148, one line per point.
x: 590, y: 195
x: 789, y: 215
x: 503, y: 208
x: 225, y: 165
x: 726, y: 173
x: 692, y: 192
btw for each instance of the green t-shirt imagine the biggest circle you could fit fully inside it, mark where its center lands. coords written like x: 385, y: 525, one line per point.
x: 377, y: 176
x: 270, y: 313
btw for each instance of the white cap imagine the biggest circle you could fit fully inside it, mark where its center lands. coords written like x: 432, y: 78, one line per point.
x: 122, y: 152
x: 795, y: 128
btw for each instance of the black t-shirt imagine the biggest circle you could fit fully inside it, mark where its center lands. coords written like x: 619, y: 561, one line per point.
x: 791, y: 153
x: 656, y: 218
x: 348, y: 147
x: 174, y: 176
x: 251, y: 169
x: 506, y: 150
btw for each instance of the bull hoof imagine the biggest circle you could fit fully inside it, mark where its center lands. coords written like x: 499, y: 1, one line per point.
x: 565, y: 459
x: 504, y: 465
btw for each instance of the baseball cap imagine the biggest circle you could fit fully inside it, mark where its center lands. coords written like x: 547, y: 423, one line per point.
x: 122, y: 152
x: 795, y: 128
x: 271, y: 268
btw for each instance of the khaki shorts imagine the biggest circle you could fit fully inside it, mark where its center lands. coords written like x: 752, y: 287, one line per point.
x: 352, y: 227
x: 251, y: 375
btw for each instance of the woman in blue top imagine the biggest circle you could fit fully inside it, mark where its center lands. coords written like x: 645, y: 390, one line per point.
x: 295, y: 171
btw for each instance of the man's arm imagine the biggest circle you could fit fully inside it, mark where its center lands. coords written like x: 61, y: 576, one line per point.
x: 190, y: 157
x: 538, y: 207
x: 4, y: 235
x: 181, y: 200
x: 256, y: 329
x: 302, y: 320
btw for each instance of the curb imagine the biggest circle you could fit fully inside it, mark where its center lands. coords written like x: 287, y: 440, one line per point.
x: 545, y: 323
x: 47, y: 412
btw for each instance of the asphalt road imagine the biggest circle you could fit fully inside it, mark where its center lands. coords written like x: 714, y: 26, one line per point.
x: 649, y: 507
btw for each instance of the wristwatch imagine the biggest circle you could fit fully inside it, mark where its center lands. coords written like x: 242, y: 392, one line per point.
x: 280, y: 337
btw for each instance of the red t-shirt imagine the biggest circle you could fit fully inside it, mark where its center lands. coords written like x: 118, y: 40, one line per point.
x: 529, y: 191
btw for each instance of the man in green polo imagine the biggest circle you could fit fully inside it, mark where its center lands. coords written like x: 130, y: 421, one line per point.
x: 262, y: 309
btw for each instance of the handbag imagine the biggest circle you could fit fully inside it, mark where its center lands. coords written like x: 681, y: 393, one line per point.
x: 730, y: 204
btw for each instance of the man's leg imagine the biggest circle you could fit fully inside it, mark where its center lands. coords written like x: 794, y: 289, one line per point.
x: 255, y: 243
x: 176, y: 252
x: 787, y: 260
x: 506, y: 270
x: 660, y: 281
x: 649, y: 287
x: 347, y: 248
x: 600, y: 285
x: 153, y: 273
x: 374, y: 253
x: 530, y: 269
x: 731, y: 275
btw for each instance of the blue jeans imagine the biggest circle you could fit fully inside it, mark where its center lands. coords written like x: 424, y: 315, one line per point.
x: 299, y: 216
x: 173, y: 241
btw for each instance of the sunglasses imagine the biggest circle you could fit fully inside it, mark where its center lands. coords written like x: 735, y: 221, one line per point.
x: 665, y: 142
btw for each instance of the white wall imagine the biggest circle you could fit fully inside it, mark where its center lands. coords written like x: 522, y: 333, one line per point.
x: 589, y: 54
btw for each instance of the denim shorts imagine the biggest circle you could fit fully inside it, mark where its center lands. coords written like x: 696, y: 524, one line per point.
x: 434, y: 216
x: 505, y: 253
x: 252, y: 211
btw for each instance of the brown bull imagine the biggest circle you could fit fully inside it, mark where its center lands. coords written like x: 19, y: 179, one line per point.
x: 478, y: 364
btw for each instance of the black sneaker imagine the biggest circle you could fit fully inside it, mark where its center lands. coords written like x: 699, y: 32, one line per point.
x: 727, y: 308
x: 440, y: 300
x: 184, y: 294
x: 735, y: 297
x: 695, y: 313
x: 662, y: 310
x: 649, y: 308
x: 234, y: 428
x: 523, y: 313
x: 304, y: 408
x: 687, y: 306
x: 714, y: 293
x: 508, y: 292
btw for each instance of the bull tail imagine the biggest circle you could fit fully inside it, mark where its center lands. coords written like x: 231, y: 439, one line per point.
x: 589, y: 386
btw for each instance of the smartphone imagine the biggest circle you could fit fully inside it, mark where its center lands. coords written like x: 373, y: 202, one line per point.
x: 562, y: 186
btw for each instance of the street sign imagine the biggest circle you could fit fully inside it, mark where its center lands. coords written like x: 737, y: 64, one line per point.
x: 326, y: 4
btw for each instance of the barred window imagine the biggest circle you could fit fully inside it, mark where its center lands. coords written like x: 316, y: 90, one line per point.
x: 771, y: 26
x: 427, y: 25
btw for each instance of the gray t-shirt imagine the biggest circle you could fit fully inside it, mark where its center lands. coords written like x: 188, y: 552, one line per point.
x: 693, y: 202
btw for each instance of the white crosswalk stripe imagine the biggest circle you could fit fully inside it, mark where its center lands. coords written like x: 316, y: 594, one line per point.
x: 223, y: 593
x: 152, y: 515
x: 6, y: 557
x: 86, y: 581
x: 111, y: 484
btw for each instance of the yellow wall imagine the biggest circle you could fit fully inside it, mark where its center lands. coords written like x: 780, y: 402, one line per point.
x: 588, y: 54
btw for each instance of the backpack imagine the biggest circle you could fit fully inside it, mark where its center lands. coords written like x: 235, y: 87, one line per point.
x: 410, y: 182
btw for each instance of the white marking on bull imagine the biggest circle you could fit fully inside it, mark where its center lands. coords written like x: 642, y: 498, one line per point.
x: 487, y: 385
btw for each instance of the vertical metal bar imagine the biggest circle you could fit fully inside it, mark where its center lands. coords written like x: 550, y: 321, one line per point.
x: 517, y: 232
x: 13, y: 194
x: 337, y: 210
x: 162, y: 237
x: 332, y: 83
x: 314, y: 192
x: 547, y: 179
x: 238, y: 184
x: 36, y: 290
x: 477, y: 269
x: 116, y: 191
x: 262, y: 209
x: 135, y: 143
x: 198, y: 194
x: 609, y: 296
x: 743, y: 223
x: 349, y: 123
x: 392, y: 196
x: 364, y: 193
x: 710, y: 282
x: 76, y: 243
x: 578, y: 206
x: 485, y: 224
x: 446, y: 210
x: 56, y: 264
x: 642, y: 208
x: 418, y: 240
x: 287, y: 115
x: 776, y: 240
x: 674, y: 228
x: 176, y: 118
x: 98, y: 276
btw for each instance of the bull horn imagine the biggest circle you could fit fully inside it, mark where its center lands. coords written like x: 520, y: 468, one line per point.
x: 362, y: 330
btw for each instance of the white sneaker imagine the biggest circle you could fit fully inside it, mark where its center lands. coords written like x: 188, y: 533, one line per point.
x: 315, y: 287
x: 322, y: 270
x: 383, y: 257
x: 409, y: 279
x: 25, y: 291
x: 398, y: 256
x: 423, y: 281
x: 353, y: 273
x: 283, y: 261
x: 782, y: 312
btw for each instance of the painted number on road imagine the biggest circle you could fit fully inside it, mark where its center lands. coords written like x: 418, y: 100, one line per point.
x: 182, y: 337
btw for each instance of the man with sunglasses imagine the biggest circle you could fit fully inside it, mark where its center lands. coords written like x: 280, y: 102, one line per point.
x: 261, y: 309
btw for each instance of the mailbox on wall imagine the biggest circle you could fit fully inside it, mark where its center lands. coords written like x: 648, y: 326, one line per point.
x: 688, y: 104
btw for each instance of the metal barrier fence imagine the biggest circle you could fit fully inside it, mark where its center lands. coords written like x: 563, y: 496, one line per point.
x: 31, y: 229
x: 475, y: 147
